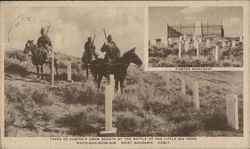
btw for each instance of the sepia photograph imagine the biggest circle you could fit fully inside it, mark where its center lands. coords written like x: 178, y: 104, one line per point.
x: 54, y: 65
x: 195, y: 36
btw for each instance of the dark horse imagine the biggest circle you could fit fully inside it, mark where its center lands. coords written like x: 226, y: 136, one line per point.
x: 100, y: 68
x: 38, y: 58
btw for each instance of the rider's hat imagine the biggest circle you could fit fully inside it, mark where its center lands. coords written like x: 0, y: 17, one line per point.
x: 89, y: 38
x: 109, y: 37
x: 42, y: 30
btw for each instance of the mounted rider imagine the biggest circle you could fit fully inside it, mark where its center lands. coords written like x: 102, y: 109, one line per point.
x: 89, y: 51
x: 112, y: 52
x: 44, y: 44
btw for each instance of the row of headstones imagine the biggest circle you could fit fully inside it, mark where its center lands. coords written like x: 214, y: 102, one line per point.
x: 197, y: 44
x: 186, y: 41
x: 231, y: 104
x: 198, y: 49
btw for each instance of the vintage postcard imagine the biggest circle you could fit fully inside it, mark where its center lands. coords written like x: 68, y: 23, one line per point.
x: 124, y: 74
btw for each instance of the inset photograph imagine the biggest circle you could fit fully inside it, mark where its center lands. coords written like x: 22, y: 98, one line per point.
x: 195, y: 37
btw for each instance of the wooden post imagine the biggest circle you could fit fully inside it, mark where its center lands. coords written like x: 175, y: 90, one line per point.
x: 216, y: 52
x: 197, y: 48
x: 232, y: 111
x: 180, y: 48
x: 166, y: 41
x: 208, y: 43
x: 170, y: 41
x: 233, y: 44
x: 185, y: 37
x: 196, y: 99
x: 180, y: 39
x: 112, y: 82
x: 108, y: 107
x: 69, y: 72
x: 183, y: 87
x: 109, y: 130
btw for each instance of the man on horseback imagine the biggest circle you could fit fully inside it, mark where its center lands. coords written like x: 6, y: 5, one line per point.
x: 44, y: 44
x: 89, y: 51
x: 112, y: 51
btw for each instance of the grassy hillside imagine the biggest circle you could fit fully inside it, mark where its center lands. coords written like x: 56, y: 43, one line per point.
x: 168, y: 57
x: 151, y: 105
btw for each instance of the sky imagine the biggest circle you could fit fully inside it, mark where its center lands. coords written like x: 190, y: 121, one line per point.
x: 231, y: 17
x: 71, y: 26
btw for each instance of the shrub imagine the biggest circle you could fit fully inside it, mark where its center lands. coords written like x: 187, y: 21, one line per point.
x: 215, y: 120
x: 185, y: 128
x: 10, y: 114
x: 28, y: 101
x: 128, y: 122
x: 153, y: 125
x: 87, y: 120
x: 85, y: 94
x: 15, y: 54
x: 156, y: 104
x: 127, y: 102
x: 42, y: 97
x: 16, y: 69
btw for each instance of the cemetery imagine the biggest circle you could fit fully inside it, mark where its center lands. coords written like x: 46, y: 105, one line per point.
x: 196, y: 45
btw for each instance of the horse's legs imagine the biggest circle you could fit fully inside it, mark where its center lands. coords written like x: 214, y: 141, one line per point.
x: 37, y: 70
x: 87, y: 72
x: 50, y: 68
x: 56, y: 67
x: 95, y: 76
x: 99, y: 81
x: 56, y: 71
x: 121, y: 85
x: 116, y: 85
x: 42, y: 71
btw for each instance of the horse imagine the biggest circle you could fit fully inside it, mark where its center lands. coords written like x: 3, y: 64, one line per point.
x: 100, y: 68
x: 38, y: 58
x: 86, y: 60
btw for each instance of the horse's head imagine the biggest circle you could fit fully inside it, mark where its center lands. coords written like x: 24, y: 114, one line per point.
x: 28, y: 47
x: 131, y: 57
x: 104, y: 47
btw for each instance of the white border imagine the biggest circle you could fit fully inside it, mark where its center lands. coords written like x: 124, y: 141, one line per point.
x: 202, y: 142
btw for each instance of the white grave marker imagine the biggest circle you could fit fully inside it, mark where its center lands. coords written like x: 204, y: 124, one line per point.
x: 232, y: 111
x: 180, y: 48
x: 69, y: 71
x: 196, y: 99
x: 186, y: 46
x: 197, y: 48
x: 216, y: 52
x: 233, y: 44
x: 208, y: 43
x: 109, y: 130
